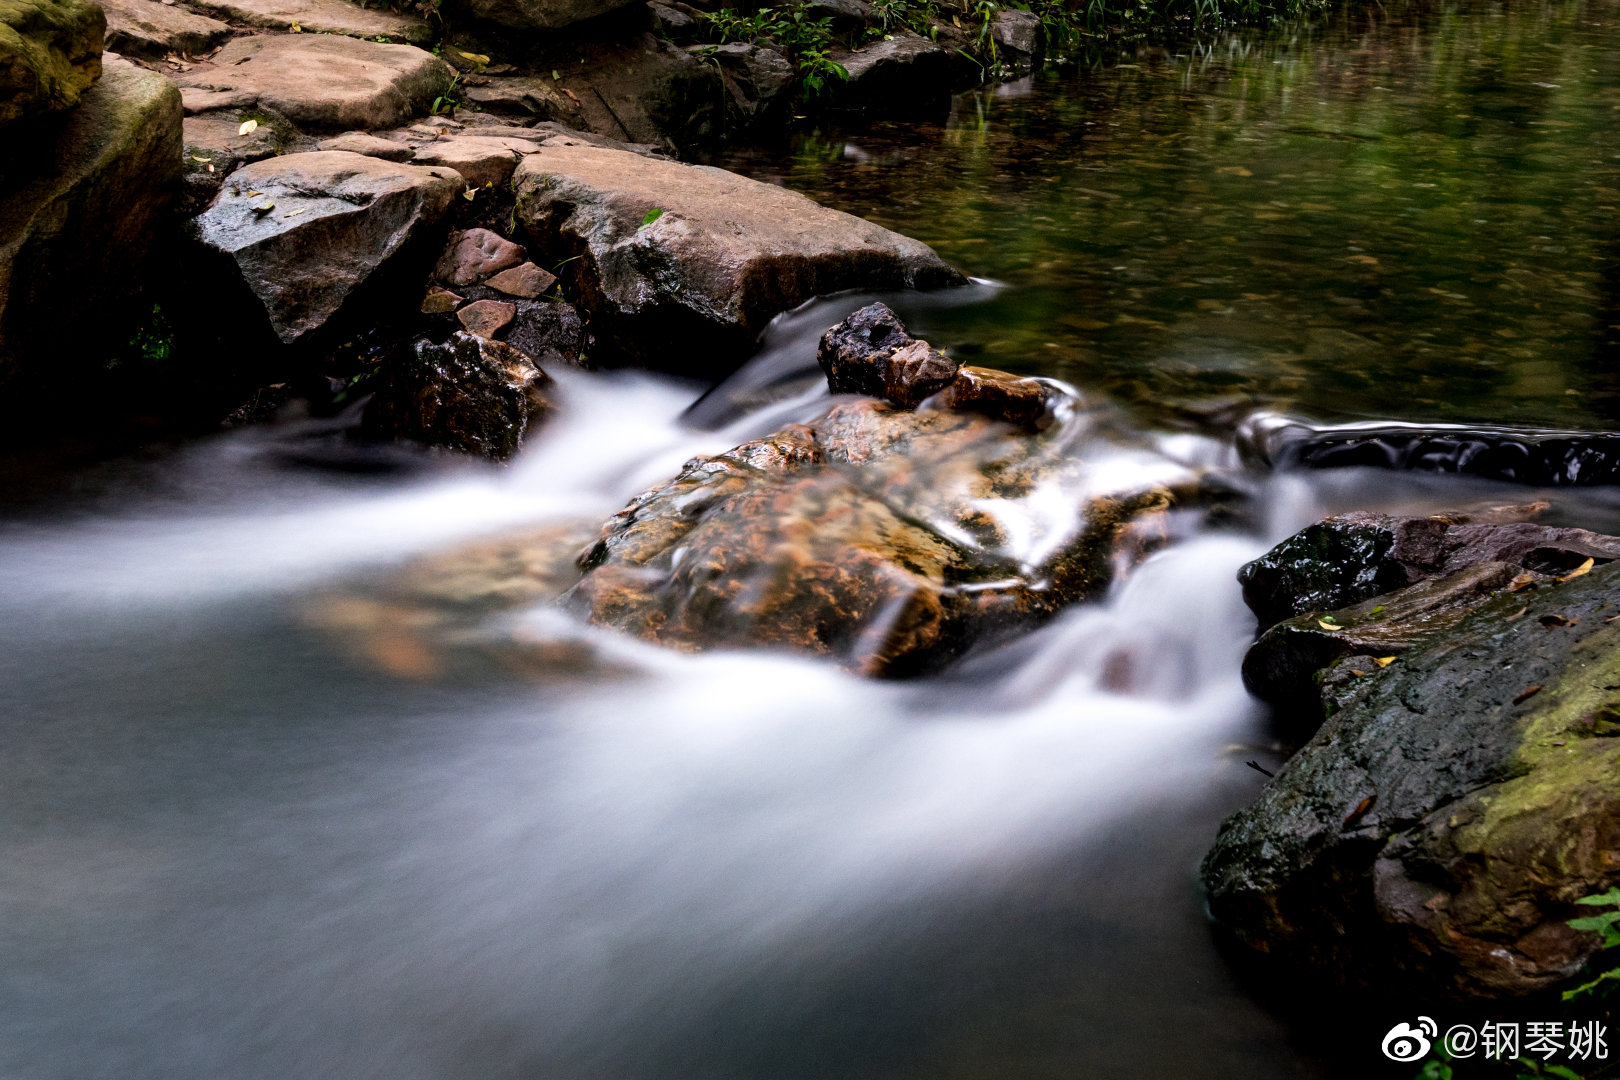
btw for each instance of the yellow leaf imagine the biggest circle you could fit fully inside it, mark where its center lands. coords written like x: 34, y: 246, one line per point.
x: 295, y: 28
x: 1234, y: 170
x: 1330, y: 627
x: 477, y: 58
x: 1584, y: 568
x: 265, y: 209
x: 1383, y: 661
x: 248, y: 127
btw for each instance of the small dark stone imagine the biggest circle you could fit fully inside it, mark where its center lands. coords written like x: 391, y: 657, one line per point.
x: 871, y: 353
x: 468, y: 394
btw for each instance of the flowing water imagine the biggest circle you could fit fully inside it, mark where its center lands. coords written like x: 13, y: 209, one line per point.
x: 231, y: 847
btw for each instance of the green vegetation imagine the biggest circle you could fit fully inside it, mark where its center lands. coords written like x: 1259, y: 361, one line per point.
x: 804, y: 40
x: 1603, y: 924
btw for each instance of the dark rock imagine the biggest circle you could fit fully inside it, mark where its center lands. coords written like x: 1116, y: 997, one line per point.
x: 1020, y: 38
x: 84, y: 205
x: 870, y: 353
x: 475, y: 254
x: 844, y: 15
x: 905, y: 73
x: 671, y: 21
x: 324, y: 82
x: 50, y: 53
x: 468, y: 394
x: 486, y: 318
x: 524, y: 280
x: 549, y: 330
x: 755, y: 76
x: 1345, y: 559
x: 1436, y: 831
x: 523, y: 95
x: 692, y: 289
x: 334, y: 220
x: 644, y: 91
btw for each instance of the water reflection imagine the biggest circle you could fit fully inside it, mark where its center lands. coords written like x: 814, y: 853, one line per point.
x: 1401, y: 211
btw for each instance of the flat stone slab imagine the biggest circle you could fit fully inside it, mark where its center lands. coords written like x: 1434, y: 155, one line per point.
x: 306, y: 230
x: 322, y: 17
x: 359, y: 142
x: 325, y: 82
x: 482, y: 160
x: 723, y: 255
x: 150, y: 28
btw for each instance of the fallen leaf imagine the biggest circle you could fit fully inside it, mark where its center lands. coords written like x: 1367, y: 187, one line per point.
x: 292, y: 213
x: 1557, y: 620
x: 1584, y: 568
x: 571, y: 95
x: 652, y: 215
x: 1364, y: 260
x: 1360, y: 811
x: 1376, y: 610
x: 1383, y: 661
x: 469, y: 194
x: 295, y: 28
x: 1330, y: 627
x: 477, y: 58
x: 1611, y: 618
x: 1528, y: 694
x: 1516, y: 614
x: 248, y: 127
x: 1357, y: 672
x: 1521, y: 581
x: 265, y: 209
x: 251, y: 194
x: 1235, y: 170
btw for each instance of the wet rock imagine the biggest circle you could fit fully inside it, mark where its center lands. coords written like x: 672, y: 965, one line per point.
x: 905, y: 73
x: 154, y: 29
x: 998, y: 394
x: 334, y: 221
x: 1351, y: 557
x: 860, y: 536
x: 324, y: 82
x: 50, y: 53
x: 82, y: 214
x: 215, y: 148
x: 482, y: 160
x: 475, y: 254
x: 871, y: 353
x: 549, y: 330
x: 541, y: 14
x: 323, y: 17
x: 524, y: 280
x: 1541, y: 458
x: 1019, y: 37
x: 1435, y: 833
x: 358, y: 142
x: 469, y: 394
x: 692, y: 289
x: 486, y: 318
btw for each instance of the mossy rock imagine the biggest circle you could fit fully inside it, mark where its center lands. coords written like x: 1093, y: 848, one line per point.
x: 50, y: 54
x: 1436, y: 832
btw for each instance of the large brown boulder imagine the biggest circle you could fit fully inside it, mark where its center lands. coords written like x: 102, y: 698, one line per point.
x: 304, y: 232
x: 84, y: 203
x: 682, y: 266
x: 323, y: 82
x: 50, y: 53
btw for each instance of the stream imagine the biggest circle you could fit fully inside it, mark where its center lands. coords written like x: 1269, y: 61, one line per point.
x: 232, y: 846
